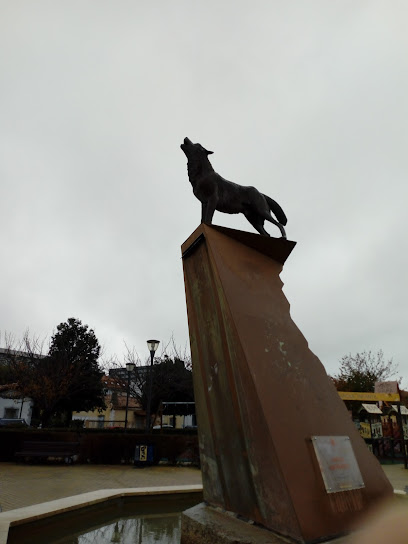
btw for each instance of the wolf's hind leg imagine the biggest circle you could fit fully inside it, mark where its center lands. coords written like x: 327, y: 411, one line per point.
x: 280, y: 227
x: 257, y: 222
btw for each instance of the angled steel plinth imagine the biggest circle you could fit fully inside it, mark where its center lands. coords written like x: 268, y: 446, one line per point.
x: 262, y: 395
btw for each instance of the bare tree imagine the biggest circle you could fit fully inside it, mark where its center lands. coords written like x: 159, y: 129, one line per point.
x: 67, y: 378
x: 359, y: 372
x: 172, y: 377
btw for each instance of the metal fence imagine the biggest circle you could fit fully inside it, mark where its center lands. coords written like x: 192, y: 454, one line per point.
x: 102, y: 424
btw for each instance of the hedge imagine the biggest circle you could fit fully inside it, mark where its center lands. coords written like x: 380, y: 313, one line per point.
x: 108, y: 446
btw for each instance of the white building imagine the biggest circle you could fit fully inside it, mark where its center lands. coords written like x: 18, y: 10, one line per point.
x: 12, y: 406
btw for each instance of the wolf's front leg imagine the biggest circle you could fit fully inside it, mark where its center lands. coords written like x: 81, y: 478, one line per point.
x: 208, y: 210
x: 203, y: 211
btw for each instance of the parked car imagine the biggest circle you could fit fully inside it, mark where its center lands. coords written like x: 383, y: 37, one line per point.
x: 163, y: 427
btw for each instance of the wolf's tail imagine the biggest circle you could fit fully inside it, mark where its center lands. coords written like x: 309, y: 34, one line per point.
x: 277, y: 210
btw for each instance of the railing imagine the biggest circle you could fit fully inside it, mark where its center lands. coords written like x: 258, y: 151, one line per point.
x: 387, y: 448
x: 102, y: 424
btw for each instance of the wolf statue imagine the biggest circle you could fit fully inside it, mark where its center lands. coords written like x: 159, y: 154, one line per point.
x: 216, y: 193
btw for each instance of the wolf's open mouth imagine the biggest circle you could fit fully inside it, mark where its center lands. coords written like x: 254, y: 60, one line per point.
x: 185, y: 143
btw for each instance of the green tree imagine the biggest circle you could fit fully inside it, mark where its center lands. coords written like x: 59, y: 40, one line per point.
x: 75, y: 349
x: 68, y: 378
x: 172, y: 382
x: 360, y: 372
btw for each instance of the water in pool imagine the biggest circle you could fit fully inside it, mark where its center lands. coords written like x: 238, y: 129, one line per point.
x: 151, y: 521
x: 145, y: 529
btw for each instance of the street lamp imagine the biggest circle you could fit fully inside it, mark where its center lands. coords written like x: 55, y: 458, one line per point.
x: 152, y: 345
x: 130, y: 368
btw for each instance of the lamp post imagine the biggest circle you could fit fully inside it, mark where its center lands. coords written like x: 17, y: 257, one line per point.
x: 130, y: 368
x: 152, y: 345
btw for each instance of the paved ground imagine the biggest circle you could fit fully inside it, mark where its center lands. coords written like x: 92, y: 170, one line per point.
x: 25, y: 485
x: 398, y: 476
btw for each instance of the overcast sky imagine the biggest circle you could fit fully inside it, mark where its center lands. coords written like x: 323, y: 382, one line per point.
x: 305, y: 100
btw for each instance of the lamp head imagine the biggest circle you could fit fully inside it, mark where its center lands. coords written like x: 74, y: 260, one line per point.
x: 153, y: 345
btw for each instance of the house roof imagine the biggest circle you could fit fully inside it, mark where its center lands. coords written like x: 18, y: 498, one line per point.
x: 404, y: 396
x: 404, y: 409
x: 120, y: 403
x: 113, y: 383
x: 8, y: 387
x: 6, y: 352
x: 372, y: 409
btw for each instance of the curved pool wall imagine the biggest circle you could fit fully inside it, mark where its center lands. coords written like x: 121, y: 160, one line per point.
x: 42, y: 511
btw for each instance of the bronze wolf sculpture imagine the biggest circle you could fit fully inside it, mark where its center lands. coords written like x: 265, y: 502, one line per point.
x: 216, y: 193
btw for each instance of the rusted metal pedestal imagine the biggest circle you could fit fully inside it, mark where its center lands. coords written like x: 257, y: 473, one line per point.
x: 261, y: 394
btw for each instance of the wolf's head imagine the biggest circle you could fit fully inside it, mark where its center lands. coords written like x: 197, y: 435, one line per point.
x: 194, y: 151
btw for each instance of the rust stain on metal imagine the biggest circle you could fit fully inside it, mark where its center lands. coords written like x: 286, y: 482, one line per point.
x: 261, y: 393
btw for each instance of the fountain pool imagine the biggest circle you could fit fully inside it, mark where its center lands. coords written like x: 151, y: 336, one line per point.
x: 127, y: 516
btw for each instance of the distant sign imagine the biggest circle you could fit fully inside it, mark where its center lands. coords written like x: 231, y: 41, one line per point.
x: 386, y: 387
x: 376, y: 430
x: 337, y: 463
x: 143, y: 453
x: 352, y: 395
x: 365, y: 430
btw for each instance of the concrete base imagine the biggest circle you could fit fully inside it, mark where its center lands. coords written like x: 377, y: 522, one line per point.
x: 203, y: 524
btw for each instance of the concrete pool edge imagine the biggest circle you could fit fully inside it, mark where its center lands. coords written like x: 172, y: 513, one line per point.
x: 43, y: 510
